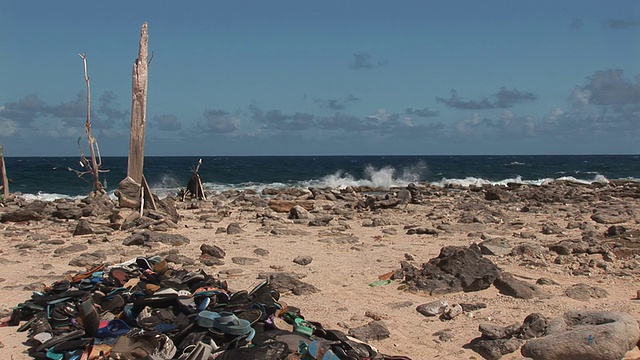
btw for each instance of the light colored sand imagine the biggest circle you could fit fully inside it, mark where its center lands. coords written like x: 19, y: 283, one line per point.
x: 341, y: 271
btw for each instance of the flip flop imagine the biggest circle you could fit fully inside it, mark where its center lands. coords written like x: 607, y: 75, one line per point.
x: 229, y: 323
x: 113, y: 328
x: 321, y: 350
x: 275, y: 350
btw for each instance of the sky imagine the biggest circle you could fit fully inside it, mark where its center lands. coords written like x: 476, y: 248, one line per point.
x: 324, y: 77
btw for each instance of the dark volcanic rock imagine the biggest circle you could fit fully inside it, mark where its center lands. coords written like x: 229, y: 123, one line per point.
x: 241, y: 260
x: 303, y: 260
x: 152, y: 236
x: 375, y: 330
x: 455, y: 269
x: 89, y: 259
x: 321, y: 221
x: 608, y: 218
x: 83, y: 227
x: 509, y: 285
x: 234, y: 228
x: 495, y: 349
x: 212, y: 250
x: 73, y: 248
x: 584, y: 292
x: 534, y: 325
x: 67, y: 211
x: 22, y: 214
x: 494, y: 332
x: 287, y: 282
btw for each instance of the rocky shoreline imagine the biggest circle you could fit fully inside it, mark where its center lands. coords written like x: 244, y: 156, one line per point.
x: 420, y: 271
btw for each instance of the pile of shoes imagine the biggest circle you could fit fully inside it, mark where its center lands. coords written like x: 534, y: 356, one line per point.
x: 144, y: 309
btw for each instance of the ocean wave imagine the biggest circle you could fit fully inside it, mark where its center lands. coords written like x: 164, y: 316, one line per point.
x: 42, y: 196
x: 381, y: 178
x: 514, y: 163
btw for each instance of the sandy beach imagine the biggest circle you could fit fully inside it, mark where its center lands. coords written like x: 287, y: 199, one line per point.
x: 348, y: 239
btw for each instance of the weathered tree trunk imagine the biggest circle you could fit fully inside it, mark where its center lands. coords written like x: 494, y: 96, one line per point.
x: 138, y: 109
x: 5, y: 180
x: 130, y: 191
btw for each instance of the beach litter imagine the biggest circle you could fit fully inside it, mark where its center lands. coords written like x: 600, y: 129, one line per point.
x: 143, y: 308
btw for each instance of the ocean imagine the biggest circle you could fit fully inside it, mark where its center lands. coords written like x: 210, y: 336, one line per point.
x: 49, y: 178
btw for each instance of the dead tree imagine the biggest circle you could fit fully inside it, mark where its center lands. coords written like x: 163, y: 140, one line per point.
x: 3, y: 171
x: 133, y: 191
x: 90, y: 167
x: 138, y: 109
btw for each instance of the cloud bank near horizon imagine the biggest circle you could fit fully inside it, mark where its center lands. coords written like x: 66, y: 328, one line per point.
x: 606, y: 105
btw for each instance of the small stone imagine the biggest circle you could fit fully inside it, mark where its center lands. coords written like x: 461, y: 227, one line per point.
x: 375, y: 330
x: 451, y: 312
x: 546, y: 281
x: 244, y: 260
x: 495, y: 349
x: 374, y: 315
x: 234, y: 228
x: 261, y: 252
x: 303, y: 260
x: 444, y: 335
x: 493, y: 332
x: 584, y: 292
x: 401, y: 304
x: 73, y: 248
x: 232, y: 272
x: 212, y: 250
x: 433, y: 308
x: 213, y: 262
x: 83, y: 228
x: 466, y: 307
x: 534, y: 325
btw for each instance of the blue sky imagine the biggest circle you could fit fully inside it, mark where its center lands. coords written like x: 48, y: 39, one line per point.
x: 325, y: 77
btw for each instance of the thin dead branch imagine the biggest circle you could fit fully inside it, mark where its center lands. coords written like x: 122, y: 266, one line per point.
x: 90, y: 167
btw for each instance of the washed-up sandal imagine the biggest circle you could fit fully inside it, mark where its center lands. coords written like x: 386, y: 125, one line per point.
x: 87, y: 274
x: 89, y: 317
x: 207, y: 319
x: 251, y: 315
x: 278, y: 323
x: 127, y: 348
x: 275, y: 350
x: 70, y: 345
x: 351, y: 346
x: 112, y: 329
x: 120, y: 276
x: 154, y: 301
x: 229, y: 323
x: 76, y: 334
x: 303, y: 327
x: 112, y: 303
x: 95, y: 352
x: 321, y: 350
x: 200, y: 351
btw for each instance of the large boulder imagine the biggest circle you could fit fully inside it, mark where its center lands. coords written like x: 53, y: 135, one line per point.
x: 153, y: 236
x: 585, y: 335
x: 128, y: 193
x: 455, y: 269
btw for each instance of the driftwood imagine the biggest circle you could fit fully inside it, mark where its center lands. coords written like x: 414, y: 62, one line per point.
x: 5, y: 180
x: 194, y: 186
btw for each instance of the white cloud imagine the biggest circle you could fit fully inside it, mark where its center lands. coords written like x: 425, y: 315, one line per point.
x: 7, y: 127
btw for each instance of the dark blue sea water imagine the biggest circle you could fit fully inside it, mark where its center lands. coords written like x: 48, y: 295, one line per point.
x: 49, y: 177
